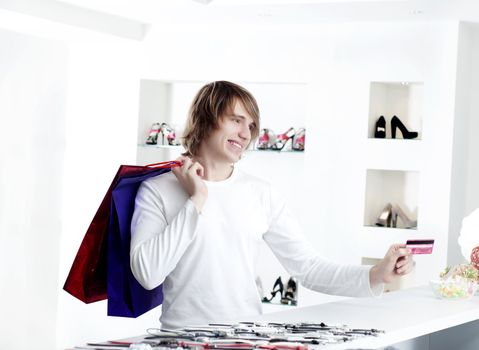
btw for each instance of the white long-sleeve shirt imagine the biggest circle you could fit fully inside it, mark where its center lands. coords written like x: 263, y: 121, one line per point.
x: 206, y: 261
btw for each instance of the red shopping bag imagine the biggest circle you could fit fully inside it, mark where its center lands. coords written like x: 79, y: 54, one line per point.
x: 87, y: 279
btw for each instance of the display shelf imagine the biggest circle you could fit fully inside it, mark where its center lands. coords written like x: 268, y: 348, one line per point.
x: 160, y: 146
x: 277, y: 303
x: 275, y: 151
x: 394, y: 154
x: 248, y: 150
x: 401, y: 99
x: 377, y: 227
x: 397, y: 187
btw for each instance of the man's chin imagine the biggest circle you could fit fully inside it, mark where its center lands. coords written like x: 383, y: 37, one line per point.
x: 235, y: 158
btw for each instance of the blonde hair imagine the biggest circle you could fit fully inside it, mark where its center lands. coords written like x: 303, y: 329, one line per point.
x: 210, y: 104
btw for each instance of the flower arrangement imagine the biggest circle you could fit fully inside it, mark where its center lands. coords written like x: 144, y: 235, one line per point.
x: 464, y: 271
x: 457, y: 282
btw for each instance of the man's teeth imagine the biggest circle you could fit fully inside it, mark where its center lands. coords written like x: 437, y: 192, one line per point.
x: 235, y: 144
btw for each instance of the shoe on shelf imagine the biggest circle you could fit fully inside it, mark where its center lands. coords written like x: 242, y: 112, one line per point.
x: 172, y: 140
x: 283, y: 139
x: 152, y: 138
x: 266, y: 139
x: 396, y: 212
x: 380, y: 128
x: 290, y: 295
x: 406, y: 134
x: 278, y: 287
x: 384, y: 219
x: 299, y: 140
x: 168, y: 135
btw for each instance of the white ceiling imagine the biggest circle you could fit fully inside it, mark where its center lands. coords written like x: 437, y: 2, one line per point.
x: 283, y: 11
x: 130, y: 18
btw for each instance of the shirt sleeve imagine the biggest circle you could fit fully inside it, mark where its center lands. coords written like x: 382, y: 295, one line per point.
x: 156, y: 244
x: 286, y: 240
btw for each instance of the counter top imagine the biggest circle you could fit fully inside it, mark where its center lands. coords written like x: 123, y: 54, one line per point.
x: 404, y: 315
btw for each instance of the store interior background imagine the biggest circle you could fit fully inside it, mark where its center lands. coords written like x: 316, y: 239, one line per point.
x: 70, y: 79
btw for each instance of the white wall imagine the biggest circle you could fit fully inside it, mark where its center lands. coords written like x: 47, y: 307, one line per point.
x: 472, y: 185
x: 33, y: 79
x: 461, y: 156
x: 340, y: 151
x: 101, y: 128
x: 465, y: 169
x: 99, y: 131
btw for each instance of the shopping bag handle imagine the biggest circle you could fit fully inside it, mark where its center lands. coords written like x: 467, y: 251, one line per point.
x: 167, y: 164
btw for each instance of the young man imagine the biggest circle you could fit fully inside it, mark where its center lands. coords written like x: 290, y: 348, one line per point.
x: 197, y: 228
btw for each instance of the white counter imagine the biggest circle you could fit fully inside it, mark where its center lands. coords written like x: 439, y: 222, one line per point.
x: 404, y: 315
x: 413, y: 319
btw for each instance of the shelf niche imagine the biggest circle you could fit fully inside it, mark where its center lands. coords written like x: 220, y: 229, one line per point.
x: 401, y: 99
x: 391, y: 186
x: 168, y: 101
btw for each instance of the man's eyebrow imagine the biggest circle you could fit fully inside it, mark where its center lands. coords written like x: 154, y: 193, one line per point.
x: 238, y: 115
x: 242, y: 117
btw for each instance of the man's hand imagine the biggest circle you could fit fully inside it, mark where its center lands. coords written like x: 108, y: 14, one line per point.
x: 397, y: 262
x: 190, y: 176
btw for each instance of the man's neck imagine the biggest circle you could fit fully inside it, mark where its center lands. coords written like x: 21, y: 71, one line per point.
x: 215, y: 171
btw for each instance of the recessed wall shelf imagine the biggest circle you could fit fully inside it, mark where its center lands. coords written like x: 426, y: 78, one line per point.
x: 396, y: 187
x: 401, y: 99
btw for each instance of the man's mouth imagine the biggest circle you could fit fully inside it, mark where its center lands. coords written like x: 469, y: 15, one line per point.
x: 236, y: 144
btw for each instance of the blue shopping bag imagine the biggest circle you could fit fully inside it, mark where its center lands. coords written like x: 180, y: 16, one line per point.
x: 126, y: 297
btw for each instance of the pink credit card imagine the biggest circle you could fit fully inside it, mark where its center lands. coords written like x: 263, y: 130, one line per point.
x: 420, y: 246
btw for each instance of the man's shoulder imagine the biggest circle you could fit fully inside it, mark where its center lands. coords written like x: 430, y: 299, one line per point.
x: 163, y: 182
x: 162, y: 178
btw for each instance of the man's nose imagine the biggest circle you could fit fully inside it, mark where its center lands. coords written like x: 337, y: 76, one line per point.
x: 245, y: 132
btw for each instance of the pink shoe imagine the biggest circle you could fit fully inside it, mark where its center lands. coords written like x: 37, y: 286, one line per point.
x: 266, y: 139
x: 152, y: 138
x: 283, y: 139
x: 299, y: 140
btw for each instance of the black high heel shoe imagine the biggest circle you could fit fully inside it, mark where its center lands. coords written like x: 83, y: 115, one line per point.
x: 290, y: 296
x: 279, y: 284
x: 406, y: 134
x: 380, y: 130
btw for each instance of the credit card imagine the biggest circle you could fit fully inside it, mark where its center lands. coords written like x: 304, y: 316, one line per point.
x: 420, y: 246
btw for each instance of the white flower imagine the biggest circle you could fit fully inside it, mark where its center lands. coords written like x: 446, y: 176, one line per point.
x: 469, y: 236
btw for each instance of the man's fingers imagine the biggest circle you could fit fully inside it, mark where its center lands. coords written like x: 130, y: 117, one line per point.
x: 186, y: 164
x: 200, y: 170
x: 399, y: 250
x: 406, y: 266
x: 196, y: 169
x: 405, y: 269
x: 404, y: 260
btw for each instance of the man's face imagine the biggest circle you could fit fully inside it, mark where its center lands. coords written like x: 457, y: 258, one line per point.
x: 228, y: 142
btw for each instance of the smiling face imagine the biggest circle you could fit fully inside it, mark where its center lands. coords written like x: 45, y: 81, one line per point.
x: 230, y: 139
